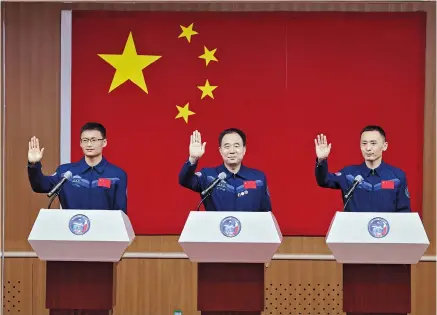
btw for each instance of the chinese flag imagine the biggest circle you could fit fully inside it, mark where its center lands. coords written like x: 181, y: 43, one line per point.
x: 249, y: 184
x: 388, y: 184
x: 152, y: 78
x: 104, y: 182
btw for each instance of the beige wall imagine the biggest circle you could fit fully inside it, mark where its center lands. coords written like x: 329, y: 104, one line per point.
x: 33, y: 108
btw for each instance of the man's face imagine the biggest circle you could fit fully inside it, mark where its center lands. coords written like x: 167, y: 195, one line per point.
x: 232, y: 149
x: 92, y: 143
x: 372, y: 145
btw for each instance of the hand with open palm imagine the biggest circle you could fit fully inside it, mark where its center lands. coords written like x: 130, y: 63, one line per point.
x: 322, y: 147
x: 197, y: 148
x: 34, y: 154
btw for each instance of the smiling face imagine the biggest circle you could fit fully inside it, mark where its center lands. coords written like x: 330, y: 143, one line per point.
x: 232, y: 149
x: 92, y: 143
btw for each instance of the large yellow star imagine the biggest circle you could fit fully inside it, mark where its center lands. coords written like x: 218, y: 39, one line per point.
x: 187, y: 32
x: 129, y: 65
x: 208, y: 55
x: 207, y: 89
x: 184, y: 112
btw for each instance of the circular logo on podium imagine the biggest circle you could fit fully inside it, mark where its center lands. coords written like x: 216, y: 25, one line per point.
x: 378, y: 227
x: 230, y: 226
x: 79, y: 224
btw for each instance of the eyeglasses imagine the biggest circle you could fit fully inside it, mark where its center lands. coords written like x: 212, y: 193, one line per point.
x: 93, y: 141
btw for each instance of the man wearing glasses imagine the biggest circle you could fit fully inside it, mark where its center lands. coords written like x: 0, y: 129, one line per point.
x: 95, y: 183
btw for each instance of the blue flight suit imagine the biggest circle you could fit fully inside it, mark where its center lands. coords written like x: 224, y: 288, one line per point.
x: 383, y: 189
x: 103, y: 186
x: 244, y: 191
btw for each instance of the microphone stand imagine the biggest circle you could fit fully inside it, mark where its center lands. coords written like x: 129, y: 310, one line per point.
x: 351, y: 190
x: 347, y: 200
x: 203, y: 199
x: 53, y: 197
x: 211, y: 189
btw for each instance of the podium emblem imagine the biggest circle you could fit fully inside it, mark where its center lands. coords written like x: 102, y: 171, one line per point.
x: 230, y: 226
x: 378, y: 227
x: 79, y: 224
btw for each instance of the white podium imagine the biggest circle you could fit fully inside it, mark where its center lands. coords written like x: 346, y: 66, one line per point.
x: 377, y: 250
x: 81, y: 248
x: 231, y: 249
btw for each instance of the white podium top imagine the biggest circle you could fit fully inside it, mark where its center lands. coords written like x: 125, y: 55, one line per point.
x: 81, y: 235
x: 240, y: 237
x: 377, y: 238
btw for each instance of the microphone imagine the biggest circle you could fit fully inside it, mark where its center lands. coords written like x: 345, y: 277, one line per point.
x: 358, y: 179
x: 208, y: 191
x: 219, y: 178
x: 67, y: 175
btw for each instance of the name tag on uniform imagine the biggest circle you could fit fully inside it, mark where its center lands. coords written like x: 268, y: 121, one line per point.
x: 104, y: 182
x: 387, y: 184
x: 251, y: 184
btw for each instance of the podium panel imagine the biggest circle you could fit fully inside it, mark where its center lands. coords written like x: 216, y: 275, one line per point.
x: 377, y: 250
x: 231, y: 249
x: 230, y: 286
x: 81, y: 235
x: 376, y: 289
x: 69, y: 285
x: 377, y: 238
x: 221, y: 236
x: 81, y: 248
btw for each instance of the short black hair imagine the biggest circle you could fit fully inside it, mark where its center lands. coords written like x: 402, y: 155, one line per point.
x: 374, y: 128
x: 94, y: 126
x: 232, y: 130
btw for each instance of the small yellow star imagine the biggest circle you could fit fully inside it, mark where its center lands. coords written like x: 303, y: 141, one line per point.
x: 207, y: 89
x: 208, y: 55
x: 184, y: 112
x: 129, y: 65
x: 187, y: 32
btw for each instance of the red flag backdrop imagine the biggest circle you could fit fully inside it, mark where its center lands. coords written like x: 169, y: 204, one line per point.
x: 282, y: 77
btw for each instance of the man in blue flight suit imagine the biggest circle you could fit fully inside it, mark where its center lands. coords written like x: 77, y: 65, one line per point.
x: 95, y: 183
x: 383, y: 187
x: 242, y: 189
